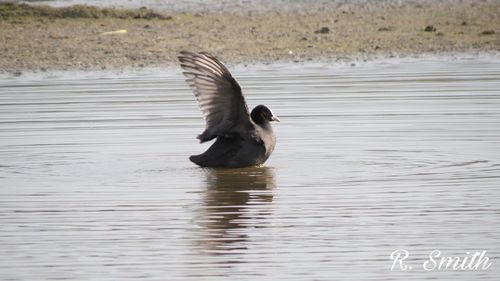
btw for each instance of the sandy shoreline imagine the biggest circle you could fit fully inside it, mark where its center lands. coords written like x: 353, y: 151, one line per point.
x: 44, y: 43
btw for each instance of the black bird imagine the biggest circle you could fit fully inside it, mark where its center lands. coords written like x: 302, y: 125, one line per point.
x: 242, y: 139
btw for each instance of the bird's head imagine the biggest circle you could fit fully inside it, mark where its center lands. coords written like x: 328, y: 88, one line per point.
x: 262, y: 114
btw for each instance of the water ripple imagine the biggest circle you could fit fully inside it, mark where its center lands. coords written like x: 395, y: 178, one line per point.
x: 95, y: 183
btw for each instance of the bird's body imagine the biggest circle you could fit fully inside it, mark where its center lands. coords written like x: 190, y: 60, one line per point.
x: 242, y: 139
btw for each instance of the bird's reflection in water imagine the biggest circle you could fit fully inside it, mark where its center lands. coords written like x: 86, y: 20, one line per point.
x: 234, y: 200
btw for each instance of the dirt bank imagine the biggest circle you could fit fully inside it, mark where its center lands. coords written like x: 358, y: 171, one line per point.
x: 41, y: 38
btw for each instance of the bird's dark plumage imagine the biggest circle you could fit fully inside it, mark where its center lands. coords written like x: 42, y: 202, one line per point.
x: 243, y: 139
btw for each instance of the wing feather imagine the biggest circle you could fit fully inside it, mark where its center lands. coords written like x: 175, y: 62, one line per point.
x: 218, y: 94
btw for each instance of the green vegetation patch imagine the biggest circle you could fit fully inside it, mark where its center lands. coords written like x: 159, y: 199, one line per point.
x: 13, y: 10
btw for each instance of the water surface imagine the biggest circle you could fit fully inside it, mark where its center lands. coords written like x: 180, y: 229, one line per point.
x: 95, y: 183
x: 238, y: 6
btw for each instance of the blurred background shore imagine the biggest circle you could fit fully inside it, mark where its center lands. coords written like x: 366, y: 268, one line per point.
x: 89, y: 35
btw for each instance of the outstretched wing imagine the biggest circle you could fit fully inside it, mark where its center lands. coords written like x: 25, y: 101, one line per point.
x: 218, y: 94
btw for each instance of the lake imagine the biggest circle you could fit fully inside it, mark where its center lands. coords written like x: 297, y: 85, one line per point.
x: 95, y: 181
